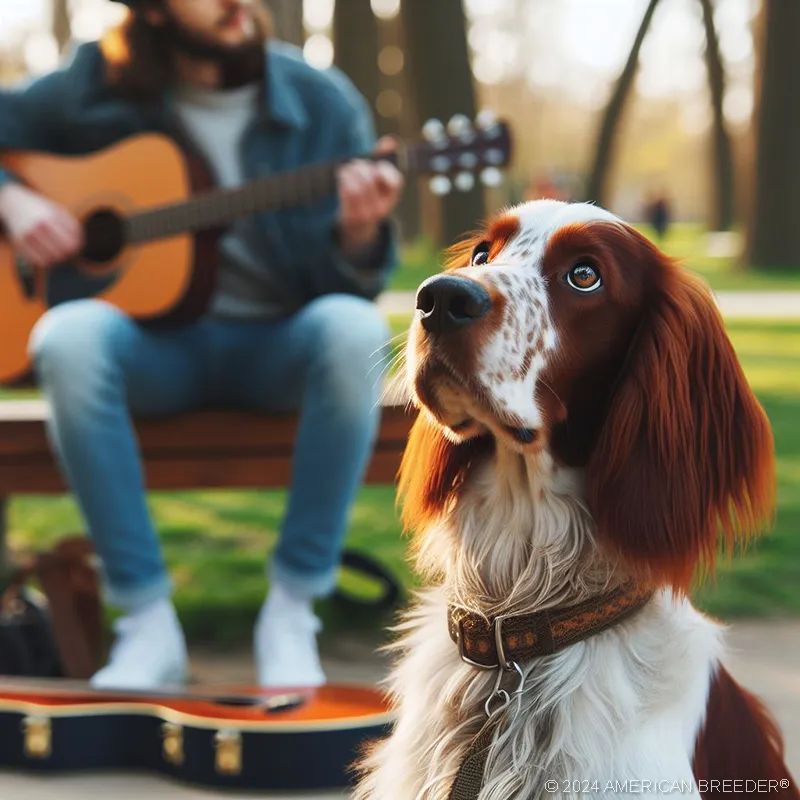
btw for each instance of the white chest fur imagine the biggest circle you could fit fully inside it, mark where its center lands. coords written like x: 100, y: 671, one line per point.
x: 601, y: 717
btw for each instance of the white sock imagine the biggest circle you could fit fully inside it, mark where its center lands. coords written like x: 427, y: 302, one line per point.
x: 286, y: 642
x: 149, y: 651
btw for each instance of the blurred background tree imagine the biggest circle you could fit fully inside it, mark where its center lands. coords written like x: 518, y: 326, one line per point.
x: 288, y: 15
x: 355, y: 48
x: 775, y: 223
x: 721, y: 159
x: 62, y: 24
x: 597, y: 186
x: 723, y: 198
x: 439, y: 70
x: 371, y: 52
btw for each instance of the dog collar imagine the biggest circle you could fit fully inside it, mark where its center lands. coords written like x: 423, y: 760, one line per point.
x: 512, y: 638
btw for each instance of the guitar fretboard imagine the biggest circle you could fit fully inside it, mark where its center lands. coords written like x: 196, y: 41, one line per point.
x: 221, y: 207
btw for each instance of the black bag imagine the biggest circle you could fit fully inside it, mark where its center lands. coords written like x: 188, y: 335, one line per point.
x: 58, y: 635
x: 27, y: 643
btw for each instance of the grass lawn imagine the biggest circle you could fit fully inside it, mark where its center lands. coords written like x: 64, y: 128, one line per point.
x: 217, y: 542
x: 687, y: 242
x: 766, y: 580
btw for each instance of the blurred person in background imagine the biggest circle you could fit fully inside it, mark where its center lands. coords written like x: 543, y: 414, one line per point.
x: 659, y: 214
x: 292, y: 325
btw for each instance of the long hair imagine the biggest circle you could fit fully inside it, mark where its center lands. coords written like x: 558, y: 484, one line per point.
x: 139, y: 56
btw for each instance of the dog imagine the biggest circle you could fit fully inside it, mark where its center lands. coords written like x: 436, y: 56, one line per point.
x: 586, y: 443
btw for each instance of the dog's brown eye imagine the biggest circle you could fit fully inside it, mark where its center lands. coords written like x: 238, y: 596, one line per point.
x: 480, y: 255
x: 584, y: 278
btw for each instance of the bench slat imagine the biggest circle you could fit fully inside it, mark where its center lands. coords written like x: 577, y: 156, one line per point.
x: 243, y: 472
x: 207, y: 449
x: 24, y: 435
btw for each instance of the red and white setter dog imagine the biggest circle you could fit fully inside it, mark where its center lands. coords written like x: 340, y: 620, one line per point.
x: 584, y: 423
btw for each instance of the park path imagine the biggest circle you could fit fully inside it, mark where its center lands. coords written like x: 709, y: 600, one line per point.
x: 765, y: 657
x: 734, y: 304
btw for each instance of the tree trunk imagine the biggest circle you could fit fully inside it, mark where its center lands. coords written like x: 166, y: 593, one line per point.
x: 355, y: 46
x: 407, y: 126
x: 440, y: 71
x: 597, y: 186
x: 62, y: 28
x: 358, y: 36
x: 288, y: 16
x: 724, y: 202
x: 775, y: 230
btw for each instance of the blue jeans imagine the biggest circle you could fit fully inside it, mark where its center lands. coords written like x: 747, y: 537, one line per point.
x: 98, y: 368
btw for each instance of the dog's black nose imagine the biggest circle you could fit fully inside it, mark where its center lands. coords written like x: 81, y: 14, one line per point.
x: 448, y: 303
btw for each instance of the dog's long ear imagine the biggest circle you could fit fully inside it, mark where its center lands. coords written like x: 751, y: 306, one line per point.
x: 432, y: 472
x: 685, y: 457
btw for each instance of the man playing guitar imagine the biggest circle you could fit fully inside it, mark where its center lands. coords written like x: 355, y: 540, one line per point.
x: 291, y: 325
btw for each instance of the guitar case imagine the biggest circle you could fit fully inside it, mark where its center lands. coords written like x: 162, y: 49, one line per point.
x: 226, y: 745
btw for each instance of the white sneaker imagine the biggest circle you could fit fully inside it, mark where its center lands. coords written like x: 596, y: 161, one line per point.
x: 286, y: 642
x: 149, y: 651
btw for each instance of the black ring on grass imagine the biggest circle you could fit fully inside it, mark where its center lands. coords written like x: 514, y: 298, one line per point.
x: 358, y: 562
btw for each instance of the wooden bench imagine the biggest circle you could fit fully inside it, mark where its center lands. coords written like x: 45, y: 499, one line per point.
x: 201, y: 450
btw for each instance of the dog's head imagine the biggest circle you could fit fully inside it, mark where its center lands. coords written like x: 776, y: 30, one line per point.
x: 561, y: 331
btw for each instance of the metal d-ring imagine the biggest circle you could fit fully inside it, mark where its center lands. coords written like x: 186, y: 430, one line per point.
x: 497, y: 694
x: 502, y: 694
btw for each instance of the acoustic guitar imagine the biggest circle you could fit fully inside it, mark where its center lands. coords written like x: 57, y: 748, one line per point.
x: 229, y: 737
x: 151, y: 220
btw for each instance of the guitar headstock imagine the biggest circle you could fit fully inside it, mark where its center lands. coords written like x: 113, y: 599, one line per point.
x: 459, y: 154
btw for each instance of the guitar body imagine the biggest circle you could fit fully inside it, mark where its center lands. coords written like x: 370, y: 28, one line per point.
x: 308, y: 747
x: 149, y: 281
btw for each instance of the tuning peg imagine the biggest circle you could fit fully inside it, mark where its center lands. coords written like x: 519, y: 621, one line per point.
x: 486, y: 120
x: 434, y: 131
x: 464, y: 181
x: 441, y: 163
x: 459, y: 127
x: 494, y: 156
x: 441, y: 185
x: 491, y: 177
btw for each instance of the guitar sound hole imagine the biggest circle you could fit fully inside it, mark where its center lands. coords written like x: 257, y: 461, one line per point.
x: 105, y: 236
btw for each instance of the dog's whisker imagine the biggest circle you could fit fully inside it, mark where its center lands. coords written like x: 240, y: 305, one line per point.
x: 388, y: 368
x: 389, y: 341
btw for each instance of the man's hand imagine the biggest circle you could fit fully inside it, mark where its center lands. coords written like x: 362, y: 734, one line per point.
x: 368, y: 193
x: 42, y: 232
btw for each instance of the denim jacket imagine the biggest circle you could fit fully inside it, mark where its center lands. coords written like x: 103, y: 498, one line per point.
x: 308, y: 115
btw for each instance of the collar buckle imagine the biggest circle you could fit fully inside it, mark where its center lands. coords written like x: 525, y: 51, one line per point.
x: 502, y: 660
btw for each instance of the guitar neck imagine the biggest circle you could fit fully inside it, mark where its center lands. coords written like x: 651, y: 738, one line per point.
x: 221, y: 207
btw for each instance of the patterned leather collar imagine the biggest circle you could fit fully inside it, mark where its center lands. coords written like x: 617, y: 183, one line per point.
x: 520, y: 637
